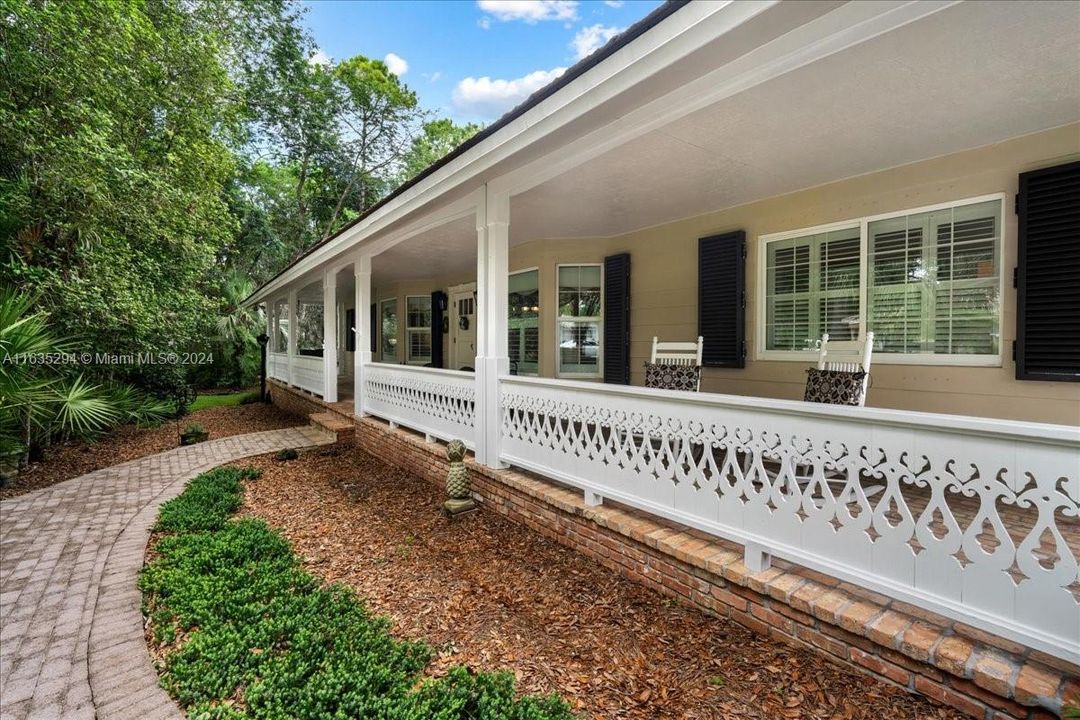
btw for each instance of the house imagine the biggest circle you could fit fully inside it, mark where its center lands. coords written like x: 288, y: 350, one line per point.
x: 758, y: 174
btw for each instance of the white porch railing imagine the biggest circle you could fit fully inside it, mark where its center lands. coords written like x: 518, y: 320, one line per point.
x: 440, y: 403
x: 970, y: 518
x: 308, y: 373
x: 277, y: 366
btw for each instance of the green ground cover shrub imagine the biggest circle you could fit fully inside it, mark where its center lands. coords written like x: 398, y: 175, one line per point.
x: 260, y: 638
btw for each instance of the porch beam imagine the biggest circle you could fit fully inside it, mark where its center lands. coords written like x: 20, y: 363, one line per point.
x: 330, y: 335
x: 492, y: 361
x: 362, y: 356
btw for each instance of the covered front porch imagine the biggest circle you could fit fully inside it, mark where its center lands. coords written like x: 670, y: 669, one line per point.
x: 516, y: 313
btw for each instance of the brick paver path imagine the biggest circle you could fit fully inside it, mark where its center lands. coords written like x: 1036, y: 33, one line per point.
x: 71, y: 633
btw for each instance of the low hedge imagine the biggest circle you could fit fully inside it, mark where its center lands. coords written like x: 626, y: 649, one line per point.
x: 256, y: 636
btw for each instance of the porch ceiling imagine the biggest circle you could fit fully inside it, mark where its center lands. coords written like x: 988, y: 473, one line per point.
x: 445, y: 250
x: 971, y: 75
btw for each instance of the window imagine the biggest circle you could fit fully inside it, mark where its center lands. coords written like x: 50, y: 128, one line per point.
x: 580, y: 317
x: 309, y: 320
x: 927, y: 283
x: 934, y: 281
x: 280, y: 339
x: 812, y: 287
x: 388, y: 329
x: 418, y: 328
x: 523, y: 343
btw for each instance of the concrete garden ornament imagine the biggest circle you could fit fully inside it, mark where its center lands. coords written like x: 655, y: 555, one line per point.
x: 457, y: 481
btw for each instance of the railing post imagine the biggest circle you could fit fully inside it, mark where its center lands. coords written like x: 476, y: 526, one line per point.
x: 330, y: 335
x: 291, y: 348
x: 492, y: 278
x: 362, y: 356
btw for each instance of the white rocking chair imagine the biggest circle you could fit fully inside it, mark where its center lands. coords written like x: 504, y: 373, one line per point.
x: 848, y: 356
x: 676, y: 354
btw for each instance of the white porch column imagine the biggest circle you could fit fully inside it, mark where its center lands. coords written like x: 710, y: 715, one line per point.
x: 362, y: 356
x: 492, y: 273
x: 292, y: 336
x: 330, y: 335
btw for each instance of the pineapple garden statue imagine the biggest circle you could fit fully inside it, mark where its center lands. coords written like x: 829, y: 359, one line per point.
x: 457, y: 481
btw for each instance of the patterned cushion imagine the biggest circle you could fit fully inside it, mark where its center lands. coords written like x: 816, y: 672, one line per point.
x: 836, y: 387
x: 672, y: 377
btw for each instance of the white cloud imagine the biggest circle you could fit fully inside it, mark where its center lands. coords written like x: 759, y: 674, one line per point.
x: 436, y: 75
x: 320, y: 58
x: 589, y: 39
x: 396, y: 64
x: 484, y: 23
x: 487, y: 99
x: 531, y: 11
x: 614, y: 3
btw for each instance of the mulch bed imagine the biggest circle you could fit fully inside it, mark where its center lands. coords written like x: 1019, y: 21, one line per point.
x: 63, y: 462
x: 490, y: 594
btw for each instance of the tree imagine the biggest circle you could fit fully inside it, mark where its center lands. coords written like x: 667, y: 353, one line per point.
x: 115, y: 122
x: 436, y: 140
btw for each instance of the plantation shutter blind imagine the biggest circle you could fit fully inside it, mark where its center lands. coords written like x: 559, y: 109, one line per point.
x: 1048, y: 274
x: 721, y: 299
x: 933, y: 284
x: 617, y: 319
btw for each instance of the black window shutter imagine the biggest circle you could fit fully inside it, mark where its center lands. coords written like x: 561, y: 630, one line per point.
x: 350, y: 333
x: 374, y: 327
x: 722, y: 299
x: 438, y: 307
x: 1048, y: 274
x: 617, y: 319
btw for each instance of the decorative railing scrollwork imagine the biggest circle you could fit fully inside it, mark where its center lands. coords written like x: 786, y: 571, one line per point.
x: 438, y: 402
x: 972, y: 518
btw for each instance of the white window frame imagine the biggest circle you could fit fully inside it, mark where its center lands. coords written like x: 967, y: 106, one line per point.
x: 599, y: 319
x: 409, y: 330
x: 863, y: 223
x: 539, y: 319
x: 382, y: 353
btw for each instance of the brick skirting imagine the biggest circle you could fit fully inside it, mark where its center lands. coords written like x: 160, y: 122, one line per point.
x: 978, y: 673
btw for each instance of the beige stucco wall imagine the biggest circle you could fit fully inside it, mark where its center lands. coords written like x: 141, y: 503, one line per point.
x: 664, y: 281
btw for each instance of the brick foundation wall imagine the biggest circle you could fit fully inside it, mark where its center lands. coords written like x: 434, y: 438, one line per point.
x: 954, y: 664
x: 293, y: 401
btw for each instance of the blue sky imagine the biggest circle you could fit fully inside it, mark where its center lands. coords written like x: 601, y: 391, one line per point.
x: 470, y: 59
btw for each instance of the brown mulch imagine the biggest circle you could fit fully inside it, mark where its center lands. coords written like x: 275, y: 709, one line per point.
x: 490, y: 594
x: 70, y: 460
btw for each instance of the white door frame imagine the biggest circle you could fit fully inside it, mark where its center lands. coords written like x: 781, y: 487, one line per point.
x: 468, y: 289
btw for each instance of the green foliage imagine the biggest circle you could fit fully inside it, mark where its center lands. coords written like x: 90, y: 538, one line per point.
x: 223, y: 400
x: 114, y: 127
x: 160, y: 157
x: 38, y: 400
x: 436, y: 140
x: 207, y: 502
x: 256, y: 627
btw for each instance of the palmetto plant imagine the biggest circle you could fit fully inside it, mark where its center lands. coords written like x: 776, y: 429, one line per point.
x: 37, y: 400
x: 238, y: 325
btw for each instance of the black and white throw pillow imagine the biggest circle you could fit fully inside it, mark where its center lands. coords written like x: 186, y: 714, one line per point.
x: 835, y: 387
x: 672, y: 377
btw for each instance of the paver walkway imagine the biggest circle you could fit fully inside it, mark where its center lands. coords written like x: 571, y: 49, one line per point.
x: 71, y: 632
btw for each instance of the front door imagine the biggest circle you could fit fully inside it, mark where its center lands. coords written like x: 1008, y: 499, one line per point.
x: 463, y: 326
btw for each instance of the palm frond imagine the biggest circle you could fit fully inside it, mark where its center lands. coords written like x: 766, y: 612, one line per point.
x: 84, y: 408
